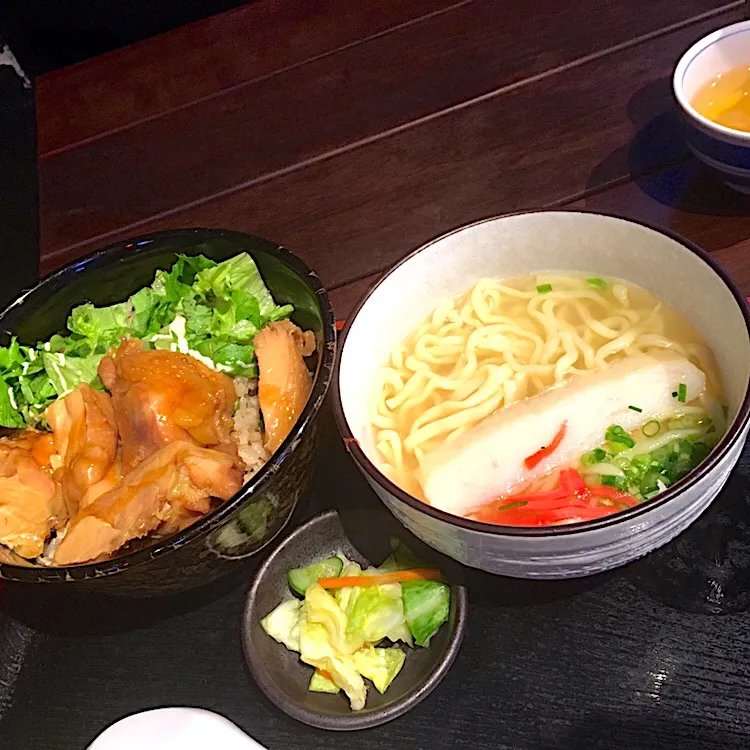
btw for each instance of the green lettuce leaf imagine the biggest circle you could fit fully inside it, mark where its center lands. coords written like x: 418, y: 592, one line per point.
x: 321, y: 684
x: 238, y: 358
x: 317, y: 651
x: 426, y: 608
x: 25, y: 384
x: 198, y: 319
x: 192, y: 264
x: 426, y: 603
x: 9, y: 415
x: 168, y: 284
x: 375, y: 612
x: 103, y: 326
x: 240, y: 274
x: 13, y: 356
x: 143, y: 321
x: 381, y: 665
x: 66, y: 373
x: 283, y: 624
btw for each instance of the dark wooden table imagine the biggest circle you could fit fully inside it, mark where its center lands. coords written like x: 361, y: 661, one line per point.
x: 352, y: 133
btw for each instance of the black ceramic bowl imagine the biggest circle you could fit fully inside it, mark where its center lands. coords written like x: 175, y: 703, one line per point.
x: 284, y: 678
x: 213, y: 545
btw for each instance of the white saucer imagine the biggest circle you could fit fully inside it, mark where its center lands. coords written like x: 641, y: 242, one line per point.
x: 174, y: 729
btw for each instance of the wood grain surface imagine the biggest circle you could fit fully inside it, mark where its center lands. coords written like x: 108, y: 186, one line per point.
x: 684, y: 198
x: 353, y: 212
x: 203, y: 59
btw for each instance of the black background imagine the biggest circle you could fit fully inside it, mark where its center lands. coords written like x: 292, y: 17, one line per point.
x: 49, y: 34
x: 19, y: 258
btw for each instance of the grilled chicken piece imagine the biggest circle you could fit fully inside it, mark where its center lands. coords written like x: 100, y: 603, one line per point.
x: 284, y: 382
x: 169, y: 489
x: 85, y: 438
x: 108, y: 482
x: 30, y: 504
x: 161, y: 396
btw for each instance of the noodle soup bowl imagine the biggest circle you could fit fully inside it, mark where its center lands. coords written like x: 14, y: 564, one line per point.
x: 678, y: 273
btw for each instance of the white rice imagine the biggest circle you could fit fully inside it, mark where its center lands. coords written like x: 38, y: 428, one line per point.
x: 247, y: 432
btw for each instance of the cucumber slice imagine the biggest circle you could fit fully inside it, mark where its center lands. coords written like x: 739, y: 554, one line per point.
x: 300, y: 579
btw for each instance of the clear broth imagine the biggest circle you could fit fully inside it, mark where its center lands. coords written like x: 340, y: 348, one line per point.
x: 725, y: 99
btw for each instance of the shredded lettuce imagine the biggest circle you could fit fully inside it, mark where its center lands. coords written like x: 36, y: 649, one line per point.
x: 375, y: 613
x: 379, y: 665
x: 317, y: 651
x: 426, y: 608
x: 426, y: 603
x: 321, y: 684
x: 321, y: 608
x: 67, y: 373
x: 283, y: 624
x: 9, y: 416
x: 220, y: 308
x: 239, y: 274
x: 102, y: 326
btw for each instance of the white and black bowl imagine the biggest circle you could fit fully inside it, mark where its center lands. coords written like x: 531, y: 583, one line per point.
x: 677, y: 272
x: 724, y: 150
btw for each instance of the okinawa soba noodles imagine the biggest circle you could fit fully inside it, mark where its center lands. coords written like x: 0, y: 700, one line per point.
x: 546, y: 399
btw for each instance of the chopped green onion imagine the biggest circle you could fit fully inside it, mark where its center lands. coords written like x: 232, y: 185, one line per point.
x: 621, y: 463
x: 514, y: 504
x: 682, y: 397
x: 642, y: 463
x: 596, y: 283
x: 651, y: 428
x: 612, y: 481
x: 636, y: 408
x: 595, y: 456
x: 650, y: 482
x: 616, y: 434
x: 544, y: 288
x: 700, y: 452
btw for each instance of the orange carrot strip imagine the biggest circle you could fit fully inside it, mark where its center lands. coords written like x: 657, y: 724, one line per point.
x: 398, y: 576
x: 547, y: 450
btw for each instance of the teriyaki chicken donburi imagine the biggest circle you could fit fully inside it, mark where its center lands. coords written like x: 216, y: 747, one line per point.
x: 147, y: 414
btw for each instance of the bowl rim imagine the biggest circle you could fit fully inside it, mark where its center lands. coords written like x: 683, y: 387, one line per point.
x: 127, y: 250
x: 374, y: 474
x: 684, y: 63
x: 353, y: 720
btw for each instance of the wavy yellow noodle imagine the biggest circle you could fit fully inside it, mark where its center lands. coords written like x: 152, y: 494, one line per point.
x: 504, y: 340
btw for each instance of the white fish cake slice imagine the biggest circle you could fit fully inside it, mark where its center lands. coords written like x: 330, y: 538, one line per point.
x: 488, y: 460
